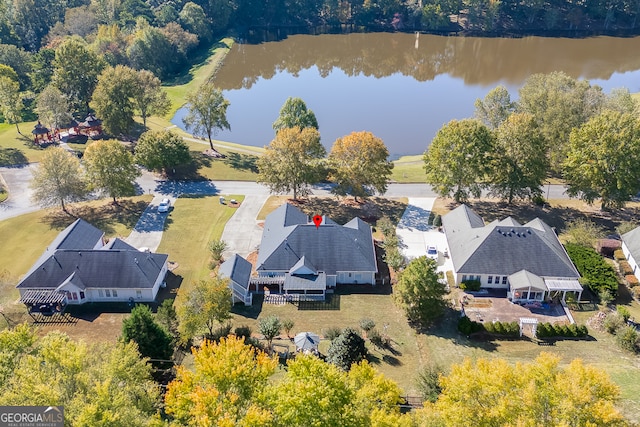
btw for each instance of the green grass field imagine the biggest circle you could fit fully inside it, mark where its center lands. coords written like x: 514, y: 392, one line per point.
x: 192, y: 224
x: 408, y: 169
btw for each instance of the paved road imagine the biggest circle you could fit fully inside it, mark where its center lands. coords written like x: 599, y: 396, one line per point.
x: 17, y: 180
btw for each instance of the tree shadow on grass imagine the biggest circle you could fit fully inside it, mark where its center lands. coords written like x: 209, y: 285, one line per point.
x: 554, y: 216
x: 244, y: 162
x: 12, y: 157
x: 199, y: 58
x: 104, y: 217
x: 252, y: 311
x: 345, y: 209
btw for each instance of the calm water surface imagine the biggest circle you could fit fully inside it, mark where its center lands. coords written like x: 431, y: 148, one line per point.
x: 401, y: 87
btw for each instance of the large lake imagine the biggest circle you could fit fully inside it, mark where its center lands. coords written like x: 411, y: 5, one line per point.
x: 401, y: 87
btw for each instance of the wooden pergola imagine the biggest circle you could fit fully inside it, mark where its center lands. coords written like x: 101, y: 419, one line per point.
x: 44, y: 302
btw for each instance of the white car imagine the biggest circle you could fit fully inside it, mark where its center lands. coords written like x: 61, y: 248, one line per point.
x: 432, y: 252
x: 164, y: 206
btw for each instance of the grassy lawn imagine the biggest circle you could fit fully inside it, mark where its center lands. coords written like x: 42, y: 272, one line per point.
x: 25, y: 237
x: 18, y: 149
x: 409, y: 169
x: 204, y: 69
x: 193, y: 223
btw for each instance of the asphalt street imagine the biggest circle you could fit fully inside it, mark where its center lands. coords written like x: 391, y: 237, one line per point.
x: 241, y: 233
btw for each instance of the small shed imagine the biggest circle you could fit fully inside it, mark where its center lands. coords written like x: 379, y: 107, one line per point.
x: 41, y: 134
x: 307, y: 342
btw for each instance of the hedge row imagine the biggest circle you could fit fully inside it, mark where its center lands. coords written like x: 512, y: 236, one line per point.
x: 468, y: 326
x: 596, y: 273
x: 547, y: 330
x: 471, y: 285
x: 511, y: 329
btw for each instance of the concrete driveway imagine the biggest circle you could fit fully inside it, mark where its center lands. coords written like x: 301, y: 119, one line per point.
x: 242, y: 233
x: 17, y: 180
x: 415, y: 234
x: 148, y: 230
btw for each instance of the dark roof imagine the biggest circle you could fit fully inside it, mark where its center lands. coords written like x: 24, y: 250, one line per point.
x: 305, y: 282
x: 39, y: 129
x: 72, y: 124
x: 91, y: 121
x: 504, y: 247
x: 97, y: 269
x: 118, y: 244
x: 289, y: 235
x: 237, y: 269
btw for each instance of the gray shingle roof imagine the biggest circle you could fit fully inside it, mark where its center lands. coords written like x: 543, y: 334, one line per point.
x: 118, y: 244
x: 237, y: 269
x: 632, y: 240
x: 523, y: 279
x: 79, y: 235
x: 504, y: 247
x: 288, y: 236
x: 97, y: 269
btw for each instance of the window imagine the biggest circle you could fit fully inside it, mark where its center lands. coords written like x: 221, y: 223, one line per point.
x: 107, y: 292
x: 74, y: 296
x: 464, y: 277
x: 100, y: 293
x: 504, y: 280
x: 490, y: 280
x: 138, y: 293
x: 81, y: 294
x: 114, y: 293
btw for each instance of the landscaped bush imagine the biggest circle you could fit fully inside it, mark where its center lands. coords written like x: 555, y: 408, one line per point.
x: 627, y: 338
x: 623, y: 312
x: 511, y: 329
x: 468, y: 326
x: 613, y: 322
x: 437, y: 220
x: 549, y: 330
x: 221, y: 332
x: 332, y: 333
x: 618, y: 254
x: 632, y: 280
x: 470, y: 285
x: 243, y: 331
x: 376, y: 339
x: 596, y: 273
x: 625, y: 268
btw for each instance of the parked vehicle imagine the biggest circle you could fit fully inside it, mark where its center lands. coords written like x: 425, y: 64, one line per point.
x: 164, y: 206
x: 432, y: 252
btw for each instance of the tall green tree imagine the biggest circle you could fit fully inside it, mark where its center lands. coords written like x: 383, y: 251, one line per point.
x: 603, y: 158
x: 520, y: 159
x: 294, y: 113
x: 150, y: 49
x: 52, y: 107
x: 292, y: 161
x: 148, y: 96
x: 496, y: 106
x: 161, y: 151
x: 152, y: 339
x: 112, y: 99
x: 359, y: 165
x: 202, y: 306
x: 207, y: 111
x: 559, y: 103
x: 270, y: 328
x: 459, y: 159
x: 58, y: 179
x: 41, y: 70
x: 75, y: 72
x: 10, y: 101
x: 420, y: 293
x: 110, y: 168
x: 348, y: 348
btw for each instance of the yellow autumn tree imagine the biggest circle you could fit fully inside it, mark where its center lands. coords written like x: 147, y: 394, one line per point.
x: 221, y: 388
x: 540, y: 393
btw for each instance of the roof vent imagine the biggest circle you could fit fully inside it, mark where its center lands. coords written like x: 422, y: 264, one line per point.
x: 498, y: 230
x: 135, y: 260
x: 512, y: 230
x: 518, y: 234
x: 529, y: 231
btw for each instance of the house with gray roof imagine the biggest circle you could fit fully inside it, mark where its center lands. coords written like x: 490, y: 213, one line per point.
x: 526, y: 259
x: 79, y: 267
x: 309, y: 258
x: 631, y: 249
x: 238, y: 271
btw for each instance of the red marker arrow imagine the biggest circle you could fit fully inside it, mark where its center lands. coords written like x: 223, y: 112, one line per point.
x: 317, y: 220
